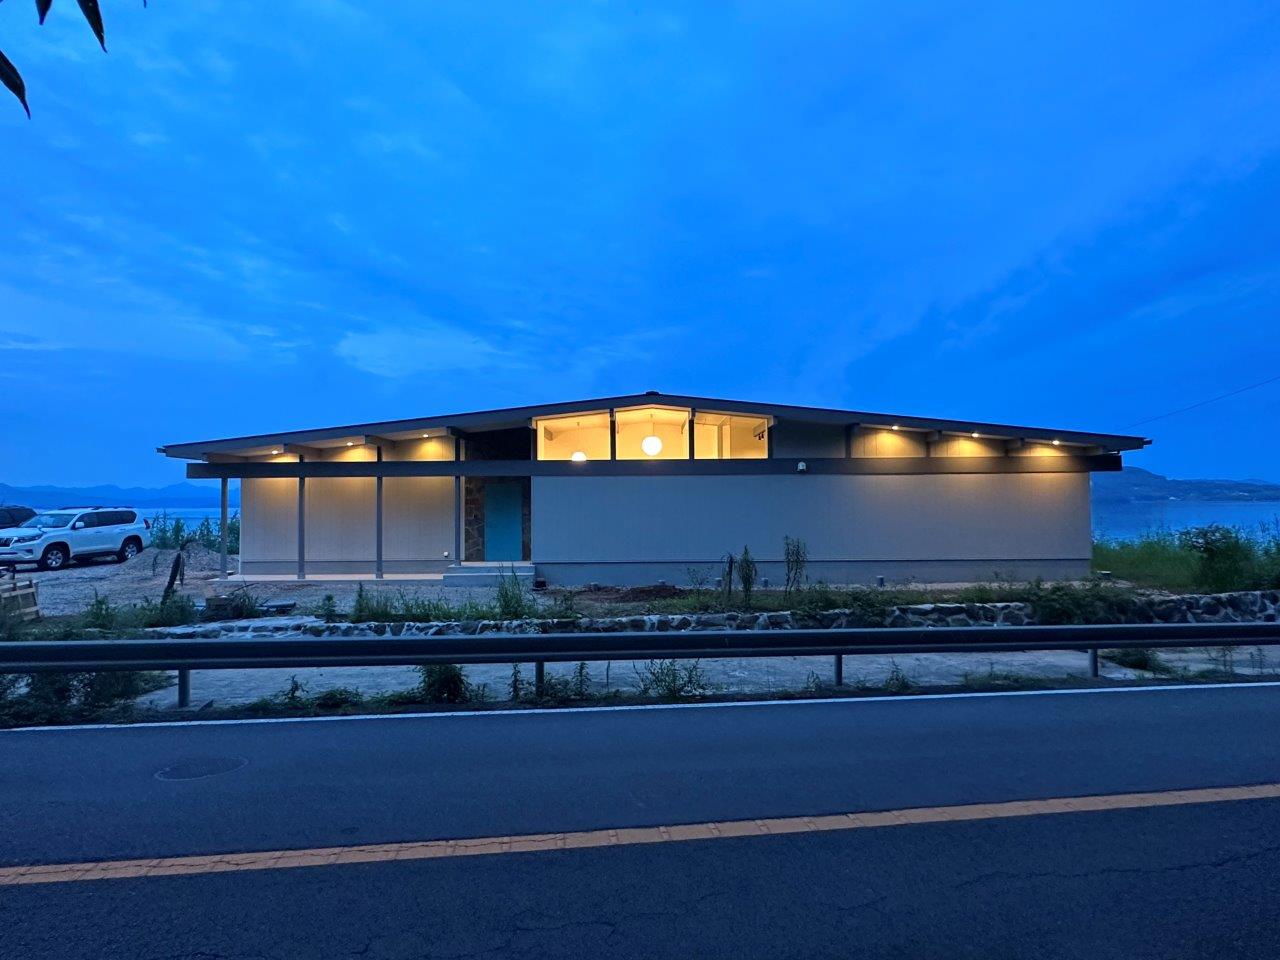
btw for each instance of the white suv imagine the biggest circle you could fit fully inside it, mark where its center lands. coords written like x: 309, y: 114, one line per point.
x: 54, y: 538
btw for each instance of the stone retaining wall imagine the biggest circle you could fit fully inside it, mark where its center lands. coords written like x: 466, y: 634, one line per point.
x: 1251, y: 606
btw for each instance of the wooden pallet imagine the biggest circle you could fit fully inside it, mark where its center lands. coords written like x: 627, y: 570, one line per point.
x: 18, y: 599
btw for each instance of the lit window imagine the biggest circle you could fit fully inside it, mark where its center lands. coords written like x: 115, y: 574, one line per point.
x: 722, y: 436
x: 579, y: 437
x: 652, y: 433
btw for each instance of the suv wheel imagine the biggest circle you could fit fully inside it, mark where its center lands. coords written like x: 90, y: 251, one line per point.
x: 54, y: 557
x: 128, y: 550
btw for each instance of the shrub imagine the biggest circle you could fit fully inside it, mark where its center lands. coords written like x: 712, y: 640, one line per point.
x: 672, y: 680
x: 328, y: 609
x: 444, y: 683
x: 1137, y: 658
x: 1227, y: 560
x: 747, y: 576
x: 897, y: 681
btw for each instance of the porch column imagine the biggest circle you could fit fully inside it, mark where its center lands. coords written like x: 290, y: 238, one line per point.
x: 377, y: 519
x: 222, y: 532
x: 302, y: 528
x: 457, y: 504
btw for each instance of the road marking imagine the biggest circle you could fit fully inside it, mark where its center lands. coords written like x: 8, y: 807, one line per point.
x: 614, y: 837
x: 627, y: 708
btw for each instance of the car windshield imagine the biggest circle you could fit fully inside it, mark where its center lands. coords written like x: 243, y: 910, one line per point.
x: 50, y: 520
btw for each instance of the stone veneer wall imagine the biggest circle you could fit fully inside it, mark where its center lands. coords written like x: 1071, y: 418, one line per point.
x: 473, y: 518
x: 1251, y: 606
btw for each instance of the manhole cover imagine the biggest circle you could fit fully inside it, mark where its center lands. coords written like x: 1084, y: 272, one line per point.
x: 200, y: 767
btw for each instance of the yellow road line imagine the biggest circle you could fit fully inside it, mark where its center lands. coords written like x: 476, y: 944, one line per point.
x: 616, y: 837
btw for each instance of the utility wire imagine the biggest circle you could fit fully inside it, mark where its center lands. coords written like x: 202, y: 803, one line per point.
x: 1203, y: 403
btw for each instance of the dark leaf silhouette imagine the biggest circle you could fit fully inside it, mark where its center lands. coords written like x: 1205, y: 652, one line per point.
x: 12, y: 79
x: 91, y: 13
x: 42, y: 8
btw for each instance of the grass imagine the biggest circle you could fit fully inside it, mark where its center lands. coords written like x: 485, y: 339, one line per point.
x: 1213, y: 559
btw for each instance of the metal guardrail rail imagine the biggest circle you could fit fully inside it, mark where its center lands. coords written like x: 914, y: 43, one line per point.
x: 368, y: 651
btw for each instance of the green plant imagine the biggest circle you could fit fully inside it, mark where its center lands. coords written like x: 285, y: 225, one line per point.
x: 796, y: 556
x: 897, y: 681
x: 581, y: 682
x: 1137, y: 658
x: 1226, y: 559
x: 337, y: 698
x: 173, y: 610
x: 747, y: 576
x: 512, y: 599
x: 726, y: 581
x: 563, y: 606
x: 372, y: 606
x: 328, y: 609
x: 100, y: 615
x: 672, y: 680
x: 444, y: 683
x: 516, y: 688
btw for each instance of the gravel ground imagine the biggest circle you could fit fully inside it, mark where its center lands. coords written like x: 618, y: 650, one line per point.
x: 71, y: 590
x: 744, y: 675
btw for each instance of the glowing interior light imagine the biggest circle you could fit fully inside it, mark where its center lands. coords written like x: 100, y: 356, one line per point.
x: 1057, y: 443
x: 351, y: 443
x: 895, y: 427
x: 651, y: 445
x: 974, y: 434
x: 425, y: 435
x: 275, y: 451
x: 578, y: 456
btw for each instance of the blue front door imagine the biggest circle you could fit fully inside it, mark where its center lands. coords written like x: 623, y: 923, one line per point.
x: 503, y: 520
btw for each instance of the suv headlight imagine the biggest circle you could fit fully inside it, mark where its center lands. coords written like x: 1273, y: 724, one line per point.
x: 29, y: 538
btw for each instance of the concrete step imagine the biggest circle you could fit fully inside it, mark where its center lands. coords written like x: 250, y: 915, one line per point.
x: 487, y: 574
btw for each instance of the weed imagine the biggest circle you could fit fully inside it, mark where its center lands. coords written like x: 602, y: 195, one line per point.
x: 101, y: 614
x: 445, y: 683
x: 516, y: 687
x: 1138, y: 658
x: 512, y: 600
x: 897, y: 681
x: 672, y: 680
x: 796, y: 555
x: 337, y: 698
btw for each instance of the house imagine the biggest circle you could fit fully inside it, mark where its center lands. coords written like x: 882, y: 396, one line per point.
x: 637, y: 489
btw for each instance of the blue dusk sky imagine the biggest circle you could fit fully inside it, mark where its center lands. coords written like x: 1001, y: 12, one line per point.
x: 250, y: 217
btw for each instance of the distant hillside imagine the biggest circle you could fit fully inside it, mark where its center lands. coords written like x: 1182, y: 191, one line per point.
x: 1135, y: 485
x: 175, y: 495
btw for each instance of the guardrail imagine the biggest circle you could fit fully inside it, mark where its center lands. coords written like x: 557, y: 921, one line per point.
x: 540, y: 649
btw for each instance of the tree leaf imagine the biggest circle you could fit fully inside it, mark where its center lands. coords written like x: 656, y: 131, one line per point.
x: 91, y: 13
x: 12, y: 79
x: 42, y: 8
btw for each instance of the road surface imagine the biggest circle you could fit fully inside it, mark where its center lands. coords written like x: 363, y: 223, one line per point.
x: 986, y: 852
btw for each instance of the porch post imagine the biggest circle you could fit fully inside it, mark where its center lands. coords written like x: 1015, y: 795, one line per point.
x: 377, y: 519
x: 302, y: 528
x: 457, y: 504
x: 222, y: 532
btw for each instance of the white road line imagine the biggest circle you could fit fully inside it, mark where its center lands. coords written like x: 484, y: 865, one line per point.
x: 719, y: 705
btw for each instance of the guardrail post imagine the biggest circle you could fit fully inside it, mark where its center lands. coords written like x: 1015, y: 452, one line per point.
x: 839, y: 670
x: 539, y: 677
x: 1093, y: 662
x: 184, y: 689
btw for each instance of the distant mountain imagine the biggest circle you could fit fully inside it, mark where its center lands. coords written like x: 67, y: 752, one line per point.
x: 1135, y: 485
x: 177, y: 495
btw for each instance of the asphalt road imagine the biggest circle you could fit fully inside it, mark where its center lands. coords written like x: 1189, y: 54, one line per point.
x: 1160, y: 881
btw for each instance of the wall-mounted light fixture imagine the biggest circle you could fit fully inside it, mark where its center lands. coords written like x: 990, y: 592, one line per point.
x: 974, y: 434
x: 1057, y: 443
x: 274, y: 452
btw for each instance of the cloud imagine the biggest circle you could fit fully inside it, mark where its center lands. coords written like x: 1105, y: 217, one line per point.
x: 428, y: 348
